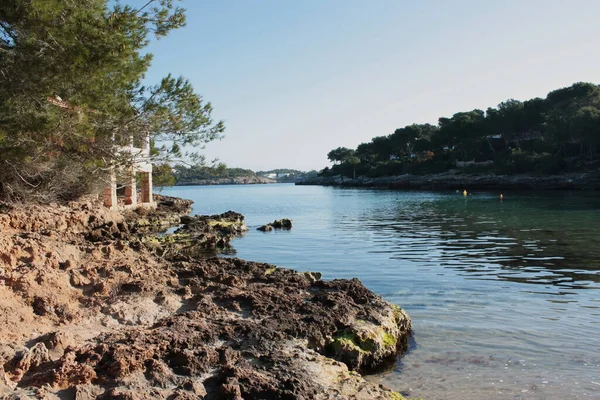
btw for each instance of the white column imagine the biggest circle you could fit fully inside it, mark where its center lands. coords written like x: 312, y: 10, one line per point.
x: 110, y: 193
x: 131, y: 190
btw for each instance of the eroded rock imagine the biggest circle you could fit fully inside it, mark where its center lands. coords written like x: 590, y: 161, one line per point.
x: 126, y: 314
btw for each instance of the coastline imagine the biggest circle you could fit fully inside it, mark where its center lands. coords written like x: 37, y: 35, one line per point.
x: 455, y: 180
x: 96, y: 304
x: 254, y: 180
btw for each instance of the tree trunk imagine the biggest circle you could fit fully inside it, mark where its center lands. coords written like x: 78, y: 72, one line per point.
x: 490, y: 144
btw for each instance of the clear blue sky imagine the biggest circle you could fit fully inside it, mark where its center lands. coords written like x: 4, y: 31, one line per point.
x: 293, y: 79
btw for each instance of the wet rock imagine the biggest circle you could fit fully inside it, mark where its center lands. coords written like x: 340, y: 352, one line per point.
x: 283, y: 223
x: 366, y: 346
x: 228, y: 223
x: 201, y: 235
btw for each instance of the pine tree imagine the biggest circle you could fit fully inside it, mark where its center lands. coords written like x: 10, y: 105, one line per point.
x: 71, y: 90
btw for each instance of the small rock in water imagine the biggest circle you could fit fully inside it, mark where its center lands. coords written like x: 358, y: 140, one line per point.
x: 283, y: 223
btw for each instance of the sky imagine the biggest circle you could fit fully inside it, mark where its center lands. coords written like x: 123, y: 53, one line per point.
x: 294, y: 79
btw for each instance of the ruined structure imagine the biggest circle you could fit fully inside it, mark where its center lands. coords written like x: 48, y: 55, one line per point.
x: 139, y: 163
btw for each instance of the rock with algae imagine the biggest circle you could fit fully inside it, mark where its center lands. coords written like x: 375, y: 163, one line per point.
x: 369, y: 344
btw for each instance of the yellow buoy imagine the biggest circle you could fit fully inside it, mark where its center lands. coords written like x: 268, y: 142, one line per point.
x: 465, y: 192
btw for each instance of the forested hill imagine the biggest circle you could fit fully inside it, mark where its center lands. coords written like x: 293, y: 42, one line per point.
x: 221, y: 174
x: 205, y: 175
x: 550, y: 135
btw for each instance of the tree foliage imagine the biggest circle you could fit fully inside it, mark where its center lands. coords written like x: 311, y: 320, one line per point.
x: 71, y: 92
x: 339, y: 154
x: 185, y: 174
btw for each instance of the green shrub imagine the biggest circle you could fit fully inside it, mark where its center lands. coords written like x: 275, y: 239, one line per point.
x: 548, y: 164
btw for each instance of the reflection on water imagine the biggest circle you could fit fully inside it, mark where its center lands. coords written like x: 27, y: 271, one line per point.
x: 508, y: 241
x: 503, y: 294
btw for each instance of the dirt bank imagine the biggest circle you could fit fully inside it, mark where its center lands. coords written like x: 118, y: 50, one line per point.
x: 94, y: 304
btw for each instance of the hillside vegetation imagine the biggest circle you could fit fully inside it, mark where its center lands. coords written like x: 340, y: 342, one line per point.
x: 198, y: 172
x: 555, y: 134
x: 219, y: 174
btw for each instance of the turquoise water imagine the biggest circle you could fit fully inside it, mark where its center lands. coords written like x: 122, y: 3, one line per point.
x: 504, y: 295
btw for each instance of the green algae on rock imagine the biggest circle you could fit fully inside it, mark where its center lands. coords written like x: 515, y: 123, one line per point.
x: 367, y: 345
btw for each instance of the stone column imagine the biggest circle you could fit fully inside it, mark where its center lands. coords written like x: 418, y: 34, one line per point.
x: 110, y: 193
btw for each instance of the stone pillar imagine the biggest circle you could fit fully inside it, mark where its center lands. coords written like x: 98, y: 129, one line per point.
x: 146, y: 187
x: 131, y: 191
x: 110, y: 193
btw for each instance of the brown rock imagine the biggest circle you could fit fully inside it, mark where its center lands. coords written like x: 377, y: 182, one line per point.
x: 153, y: 318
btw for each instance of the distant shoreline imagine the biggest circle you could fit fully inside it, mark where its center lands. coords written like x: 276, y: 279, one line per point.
x: 228, y: 181
x: 459, y: 181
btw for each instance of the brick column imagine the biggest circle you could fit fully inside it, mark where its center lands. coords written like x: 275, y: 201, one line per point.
x: 131, y: 191
x: 146, y: 187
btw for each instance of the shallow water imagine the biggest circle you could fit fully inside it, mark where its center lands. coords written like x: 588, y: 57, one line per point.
x: 503, y: 294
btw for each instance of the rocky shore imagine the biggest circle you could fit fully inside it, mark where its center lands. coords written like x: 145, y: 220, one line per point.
x: 95, y: 304
x: 457, y: 180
